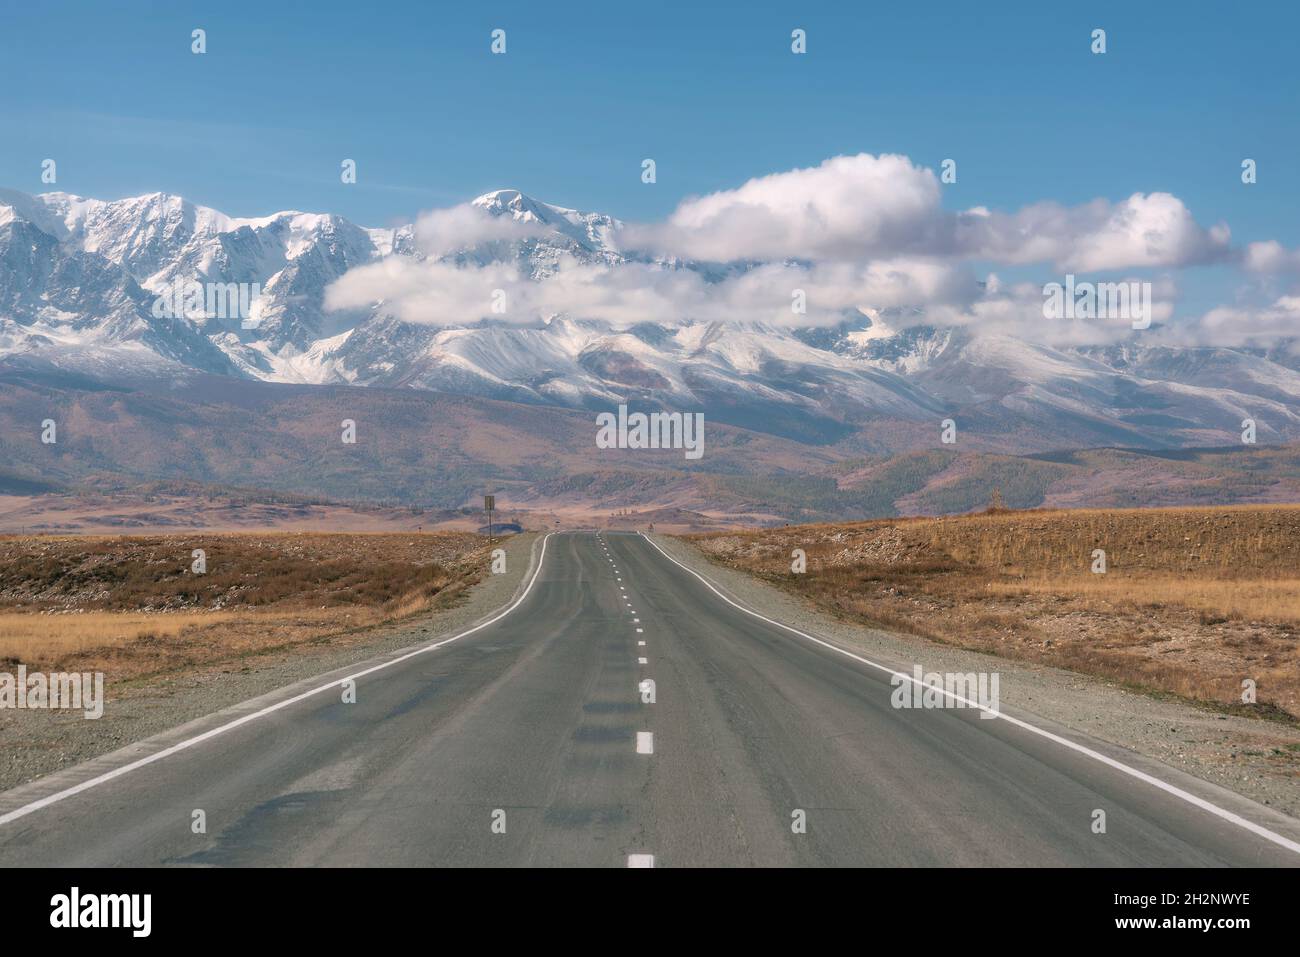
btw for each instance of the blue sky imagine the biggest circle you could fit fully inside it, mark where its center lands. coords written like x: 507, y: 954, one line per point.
x: 411, y: 92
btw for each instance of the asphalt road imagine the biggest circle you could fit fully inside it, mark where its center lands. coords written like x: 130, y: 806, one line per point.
x: 535, y: 726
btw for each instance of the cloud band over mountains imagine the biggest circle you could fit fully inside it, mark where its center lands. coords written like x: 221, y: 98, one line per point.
x: 856, y: 232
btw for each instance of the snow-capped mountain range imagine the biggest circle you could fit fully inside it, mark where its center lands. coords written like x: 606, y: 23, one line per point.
x: 79, y: 279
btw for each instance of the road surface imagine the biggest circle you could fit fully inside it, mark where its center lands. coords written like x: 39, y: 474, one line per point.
x: 528, y: 742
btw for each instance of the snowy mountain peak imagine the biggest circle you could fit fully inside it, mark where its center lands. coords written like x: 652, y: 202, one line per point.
x: 513, y: 203
x: 593, y: 231
x: 79, y: 279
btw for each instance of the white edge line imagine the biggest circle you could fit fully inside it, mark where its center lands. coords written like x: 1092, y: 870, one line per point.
x: 230, y: 726
x: 1177, y: 792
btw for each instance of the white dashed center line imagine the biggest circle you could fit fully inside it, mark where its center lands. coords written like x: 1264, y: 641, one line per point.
x: 645, y: 742
x: 640, y: 860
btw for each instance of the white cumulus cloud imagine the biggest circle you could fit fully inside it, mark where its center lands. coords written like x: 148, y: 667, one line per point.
x: 859, y: 232
x: 865, y: 206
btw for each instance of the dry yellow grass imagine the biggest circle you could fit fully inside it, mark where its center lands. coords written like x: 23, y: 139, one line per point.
x: 51, y: 638
x: 1271, y: 600
x: 1221, y: 542
x: 41, y: 637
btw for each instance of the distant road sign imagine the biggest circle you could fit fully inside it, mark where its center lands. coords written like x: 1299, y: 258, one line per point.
x: 489, y: 502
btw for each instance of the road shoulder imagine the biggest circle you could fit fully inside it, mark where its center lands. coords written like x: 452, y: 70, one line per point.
x: 1234, y: 753
x: 37, y: 744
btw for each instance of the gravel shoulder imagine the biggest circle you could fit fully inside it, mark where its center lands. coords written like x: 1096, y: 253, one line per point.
x: 1258, y: 759
x: 37, y: 743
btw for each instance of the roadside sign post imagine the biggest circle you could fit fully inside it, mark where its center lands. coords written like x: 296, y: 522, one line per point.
x: 489, y: 504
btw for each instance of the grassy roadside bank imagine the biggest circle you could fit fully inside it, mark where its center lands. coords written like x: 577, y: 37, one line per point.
x: 1193, y: 602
